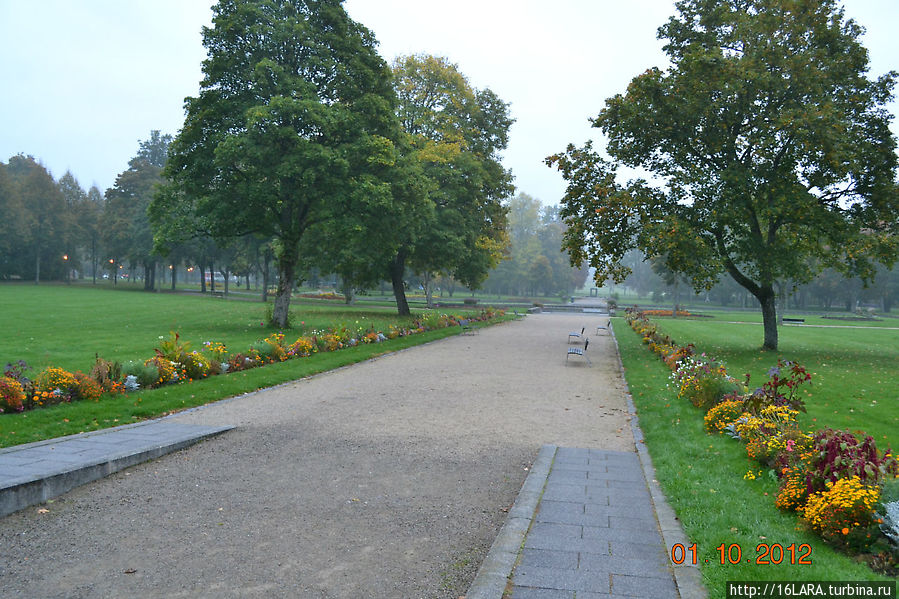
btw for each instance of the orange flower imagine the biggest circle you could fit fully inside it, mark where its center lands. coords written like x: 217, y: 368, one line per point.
x: 845, y: 531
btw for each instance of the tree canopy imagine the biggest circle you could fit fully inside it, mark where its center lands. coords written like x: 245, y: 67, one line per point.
x: 769, y: 148
x: 294, y: 118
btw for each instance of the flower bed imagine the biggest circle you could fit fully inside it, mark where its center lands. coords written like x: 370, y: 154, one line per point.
x: 841, y: 487
x: 176, y: 362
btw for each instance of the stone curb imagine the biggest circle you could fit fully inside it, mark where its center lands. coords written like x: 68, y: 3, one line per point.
x: 686, y: 576
x: 493, y: 575
x: 31, y: 490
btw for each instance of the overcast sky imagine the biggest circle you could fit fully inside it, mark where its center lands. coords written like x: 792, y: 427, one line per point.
x: 83, y: 81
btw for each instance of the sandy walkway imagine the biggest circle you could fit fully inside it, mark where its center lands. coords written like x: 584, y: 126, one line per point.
x: 384, y: 479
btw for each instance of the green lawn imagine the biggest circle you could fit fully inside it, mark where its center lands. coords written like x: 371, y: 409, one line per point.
x: 702, y: 475
x: 855, y: 368
x: 66, y: 326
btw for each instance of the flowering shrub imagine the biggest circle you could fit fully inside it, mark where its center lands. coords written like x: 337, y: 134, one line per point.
x: 702, y: 380
x: 87, y: 388
x: 769, y: 433
x: 780, y: 390
x: 276, y: 352
x: 165, y: 371
x: 839, y: 454
x: 106, y: 373
x: 11, y: 395
x: 302, y: 348
x: 217, y: 349
x: 722, y: 415
x: 195, y: 365
x: 174, y: 349
x: 843, y: 513
x: 145, y: 374
x: 240, y: 361
x: 54, y: 385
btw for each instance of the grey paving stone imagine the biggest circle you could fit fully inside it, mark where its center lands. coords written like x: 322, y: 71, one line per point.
x: 564, y: 492
x: 532, y: 593
x: 548, y: 558
x: 643, y: 510
x: 642, y: 524
x: 651, y: 567
x: 550, y: 507
x: 600, y: 546
x: 562, y: 517
x: 630, y: 549
x: 553, y: 578
x: 565, y: 453
x: 553, y: 529
x: 570, y: 477
x: 647, y: 537
x: 626, y: 474
x: 643, y: 586
x: 570, y: 464
x: 634, y: 485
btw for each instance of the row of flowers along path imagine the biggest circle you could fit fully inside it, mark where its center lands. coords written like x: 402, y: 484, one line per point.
x: 832, y: 480
x: 175, y: 362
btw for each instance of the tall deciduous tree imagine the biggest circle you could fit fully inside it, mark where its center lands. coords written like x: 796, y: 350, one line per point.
x: 128, y: 233
x: 455, y: 134
x: 770, y: 145
x: 44, y: 216
x: 294, y: 112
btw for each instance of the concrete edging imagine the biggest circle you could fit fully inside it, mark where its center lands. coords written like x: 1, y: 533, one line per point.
x: 686, y: 576
x: 493, y: 575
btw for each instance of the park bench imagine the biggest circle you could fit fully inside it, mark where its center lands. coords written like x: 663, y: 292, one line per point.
x: 793, y: 320
x: 576, y: 335
x: 605, y: 327
x: 467, y: 326
x: 577, y: 351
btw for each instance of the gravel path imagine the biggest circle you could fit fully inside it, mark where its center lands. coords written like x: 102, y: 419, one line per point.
x: 385, y: 479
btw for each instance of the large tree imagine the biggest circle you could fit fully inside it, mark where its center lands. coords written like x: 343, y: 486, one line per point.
x: 127, y: 233
x: 294, y: 111
x: 457, y: 221
x: 767, y: 143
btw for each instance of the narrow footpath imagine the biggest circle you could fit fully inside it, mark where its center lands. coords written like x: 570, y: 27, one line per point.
x: 393, y: 478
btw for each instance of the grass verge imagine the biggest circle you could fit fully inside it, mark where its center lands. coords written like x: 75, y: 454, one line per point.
x: 83, y: 416
x: 702, y: 477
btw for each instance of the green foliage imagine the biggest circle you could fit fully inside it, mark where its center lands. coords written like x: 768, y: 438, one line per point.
x: 146, y: 374
x: 776, y: 157
x: 294, y: 122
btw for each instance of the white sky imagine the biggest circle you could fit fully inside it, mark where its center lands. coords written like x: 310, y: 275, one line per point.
x: 83, y: 81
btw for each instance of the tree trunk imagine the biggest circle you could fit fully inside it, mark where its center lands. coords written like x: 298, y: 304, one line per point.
x: 226, y: 276
x: 397, y: 269
x: 265, y: 282
x: 287, y: 263
x: 37, y: 266
x: 174, y: 275
x: 768, y: 300
x: 429, y: 290
x: 211, y: 276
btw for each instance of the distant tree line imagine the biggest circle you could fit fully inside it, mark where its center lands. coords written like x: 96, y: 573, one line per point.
x: 831, y: 290
x: 536, y: 264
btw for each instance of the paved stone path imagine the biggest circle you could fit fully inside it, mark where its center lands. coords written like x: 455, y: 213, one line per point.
x: 595, y: 533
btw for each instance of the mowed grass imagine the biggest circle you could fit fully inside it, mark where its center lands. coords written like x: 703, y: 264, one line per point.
x: 66, y: 326
x: 702, y: 475
x: 855, y: 368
